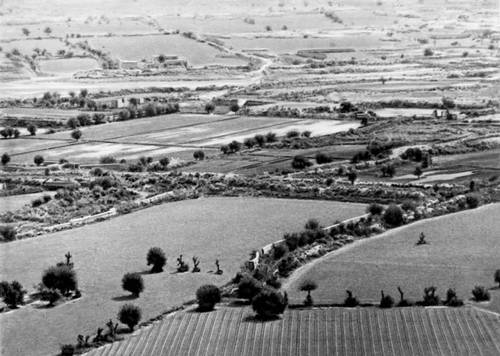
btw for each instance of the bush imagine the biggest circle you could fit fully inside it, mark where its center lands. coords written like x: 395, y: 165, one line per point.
x: 408, y: 205
x: 393, y: 215
x: 271, y: 137
x: 234, y: 107
x: 38, y: 160
x: 375, y: 209
x: 350, y: 301
x: 5, y: 159
x: 268, y: 304
x: 209, y: 107
x: 32, y: 129
x: 156, y: 257
x: 260, y: 140
x: 472, y: 200
x: 248, y: 287
x: 386, y: 301
x: 279, y: 250
x: 199, y: 155
x: 50, y: 295
x: 164, y: 161
x: 311, y: 224
x: 249, y: 142
x: 207, y: 296
x: 107, y: 160
x: 4, y: 286
x: 300, y: 162
x: 322, y: 158
x: 67, y: 350
x: 480, y: 294
x: 452, y: 299
x: 292, y: 134
x: 8, y: 233
x: 129, y: 315
x: 13, y: 294
x: 61, y: 278
x: 430, y: 297
x: 428, y: 52
x: 234, y: 146
x: 133, y: 283
x: 76, y: 134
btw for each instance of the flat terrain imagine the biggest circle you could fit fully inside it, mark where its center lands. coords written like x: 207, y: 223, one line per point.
x: 463, y: 251
x: 322, y: 331
x: 224, y: 228
x: 15, y: 202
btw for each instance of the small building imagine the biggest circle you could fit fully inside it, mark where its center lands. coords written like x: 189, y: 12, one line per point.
x: 127, y: 64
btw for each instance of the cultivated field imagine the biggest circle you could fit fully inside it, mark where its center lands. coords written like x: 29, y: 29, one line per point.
x: 223, y: 228
x: 322, y: 331
x: 463, y: 252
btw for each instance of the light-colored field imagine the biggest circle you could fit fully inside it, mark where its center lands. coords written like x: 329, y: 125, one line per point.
x: 223, y: 228
x: 67, y: 65
x: 323, y: 331
x: 463, y: 251
x: 15, y: 202
x: 145, y: 47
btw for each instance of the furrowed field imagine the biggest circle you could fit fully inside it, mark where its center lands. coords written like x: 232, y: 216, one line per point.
x: 322, y: 331
x: 223, y: 228
x: 463, y: 251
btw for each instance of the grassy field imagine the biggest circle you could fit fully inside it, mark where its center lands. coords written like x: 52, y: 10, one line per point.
x: 463, y: 251
x: 15, y: 202
x: 324, y: 331
x: 223, y: 228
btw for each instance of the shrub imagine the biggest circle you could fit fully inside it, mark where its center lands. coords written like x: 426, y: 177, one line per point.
x: 76, y: 134
x: 287, y: 265
x: 249, y: 142
x: 234, y: 107
x: 129, y: 315
x: 350, y: 301
x: 14, y: 294
x: 497, y: 277
x: 271, y: 137
x: 61, y: 278
x: 311, y: 224
x: 480, y: 294
x: 8, y: 233
x: 199, y: 155
x: 300, y: 162
x: 32, y: 129
x: 4, y: 286
x: 375, y: 209
x: 279, y: 250
x: 352, y: 176
x: 269, y: 304
x: 322, y: 158
x: 248, y: 287
x: 386, y: 301
x: 50, y: 295
x: 38, y: 160
x: 209, y: 107
x: 234, y: 146
x: 156, y: 257
x: 225, y: 149
x: 67, y: 350
x: 452, y: 299
x: 208, y: 295
x: 308, y: 286
x: 164, y: 161
x: 428, y: 52
x: 472, y: 200
x: 393, y: 215
x: 133, y: 283
x: 260, y: 140
x: 408, y: 205
x: 306, y: 133
x: 107, y: 160
x: 292, y: 134
x: 5, y: 159
x: 36, y: 203
x: 430, y: 297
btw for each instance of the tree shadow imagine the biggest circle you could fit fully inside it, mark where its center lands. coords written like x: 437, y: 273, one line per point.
x: 124, y: 298
x: 258, y: 319
x: 238, y: 303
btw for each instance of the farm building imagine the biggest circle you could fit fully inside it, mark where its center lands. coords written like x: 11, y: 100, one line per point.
x: 127, y: 64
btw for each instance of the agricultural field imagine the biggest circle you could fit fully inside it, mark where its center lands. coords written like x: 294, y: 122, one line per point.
x: 318, y: 331
x: 463, y: 252
x: 15, y: 202
x: 103, y: 252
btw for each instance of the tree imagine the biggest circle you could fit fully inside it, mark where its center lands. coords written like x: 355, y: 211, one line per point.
x: 386, y: 301
x: 76, y: 134
x: 472, y: 200
x: 26, y: 32
x: 61, y: 278
x: 156, y: 257
x: 234, y: 107
x: 209, y: 107
x: 306, y: 133
x: 133, y: 283
x: 393, y: 215
x: 73, y: 123
x: 428, y: 52
x: 312, y: 224
x: 430, y: 297
x: 38, y: 159
x: 5, y: 159
x: 269, y: 304
x: 164, y: 161
x: 260, y: 139
x: 418, y: 172
x: 16, y: 133
x: 248, y: 287
x: 300, y: 162
x: 249, y: 142
x: 234, y: 146
x: 225, y: 149
x: 32, y: 129
x: 350, y: 301
x: 130, y: 315
x: 322, y: 158
x: 480, y: 294
x: 199, y: 155
x: 497, y: 277
x: 375, y: 209
x: 207, y: 296
x: 84, y: 93
x: 47, y: 30
x: 308, y: 286
x: 271, y: 137
x: 352, y: 176
x: 13, y: 294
